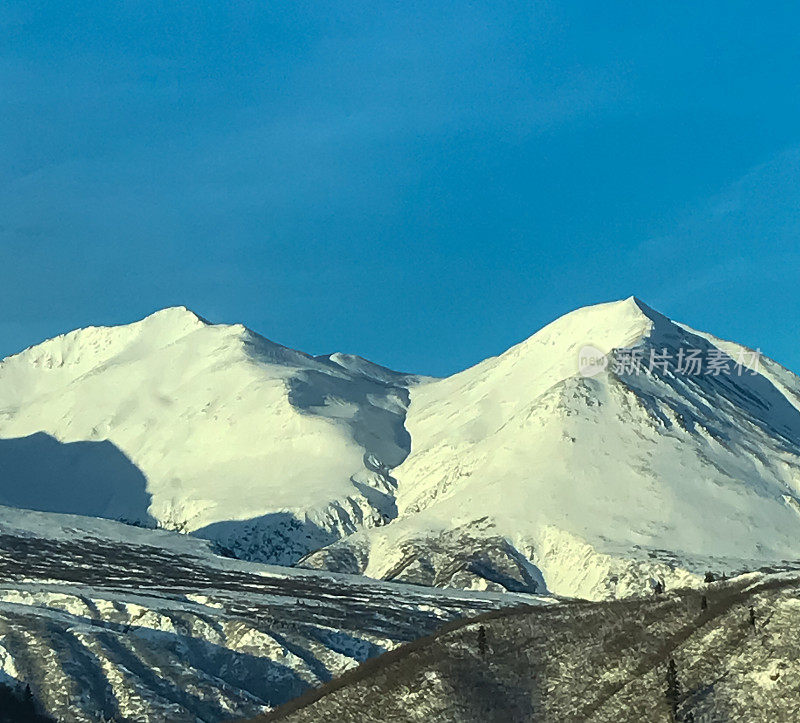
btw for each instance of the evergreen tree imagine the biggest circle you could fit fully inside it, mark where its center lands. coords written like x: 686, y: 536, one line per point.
x: 673, y: 690
x: 482, y: 641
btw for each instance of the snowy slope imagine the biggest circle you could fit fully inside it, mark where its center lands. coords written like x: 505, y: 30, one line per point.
x: 601, y: 482
x: 109, y: 622
x: 201, y: 427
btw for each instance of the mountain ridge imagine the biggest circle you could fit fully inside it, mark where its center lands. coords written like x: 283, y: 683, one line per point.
x: 491, y: 478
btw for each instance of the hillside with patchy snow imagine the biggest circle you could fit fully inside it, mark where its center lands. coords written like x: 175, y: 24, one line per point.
x: 107, y: 622
x: 600, y: 662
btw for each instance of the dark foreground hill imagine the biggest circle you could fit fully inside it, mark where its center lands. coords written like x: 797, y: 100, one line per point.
x: 670, y: 657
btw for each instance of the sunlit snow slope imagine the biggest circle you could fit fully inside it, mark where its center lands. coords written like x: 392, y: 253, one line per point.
x: 202, y: 427
x: 531, y: 474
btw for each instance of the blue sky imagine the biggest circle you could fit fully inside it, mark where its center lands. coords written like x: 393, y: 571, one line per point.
x: 423, y: 184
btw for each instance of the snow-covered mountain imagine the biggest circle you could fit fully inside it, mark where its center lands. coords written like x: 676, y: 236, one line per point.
x: 594, y: 485
x: 521, y: 473
x: 205, y: 428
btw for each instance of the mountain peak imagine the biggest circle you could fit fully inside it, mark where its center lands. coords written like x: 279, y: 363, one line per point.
x: 90, y: 346
x: 167, y: 324
x: 177, y: 313
x: 648, y: 311
x: 608, y: 325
